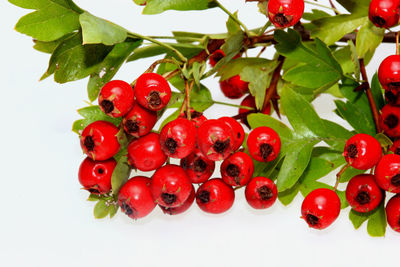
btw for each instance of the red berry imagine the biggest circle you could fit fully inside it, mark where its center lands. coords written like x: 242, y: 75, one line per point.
x: 178, y: 138
x: 387, y: 173
x: 238, y: 131
x: 320, y: 208
x: 152, y: 91
x: 393, y: 213
x: 217, y: 56
x: 390, y: 119
x: 261, y: 193
x: 264, y: 144
x: 95, y: 176
x: 249, y: 101
x: 362, y: 151
x: 145, y: 153
x: 389, y: 73
x: 215, y: 196
x: 215, y: 140
x: 384, y: 13
x: 139, y: 121
x: 285, y: 13
x: 170, y: 186
x: 197, y: 118
x: 363, y: 194
x: 234, y: 87
x: 99, y: 140
x: 392, y: 96
x: 135, y: 198
x: 182, y: 208
x: 395, y: 148
x: 116, y: 98
x: 237, y: 169
x: 198, y: 168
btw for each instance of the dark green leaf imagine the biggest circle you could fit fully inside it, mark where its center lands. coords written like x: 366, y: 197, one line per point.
x: 358, y: 218
x: 377, y: 92
x: 94, y: 197
x: 120, y: 174
x: 101, y: 210
x: 49, y: 47
x: 360, y: 121
x: 377, y: 222
x: 286, y: 197
x: 92, y: 114
x: 315, y: 14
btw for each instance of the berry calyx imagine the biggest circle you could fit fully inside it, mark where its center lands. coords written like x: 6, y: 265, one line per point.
x: 250, y: 101
x: 197, y: 118
x: 395, y: 148
x: 389, y: 73
x: 116, y: 98
x: 384, y: 13
x: 387, y: 173
x: 261, y: 193
x: 152, y: 91
x: 237, y: 129
x: 285, y: 13
x: 198, y: 168
x: 390, y: 120
x: 234, y: 87
x: 393, y: 213
x: 362, y: 151
x: 215, y: 196
x: 264, y: 144
x: 237, y: 169
x: 320, y: 208
x: 182, y: 208
x: 95, y: 176
x: 139, y: 121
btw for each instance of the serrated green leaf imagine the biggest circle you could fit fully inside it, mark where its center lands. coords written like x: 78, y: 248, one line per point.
x: 101, y: 210
x: 360, y: 121
x: 92, y: 114
x: 369, y: 37
x: 120, y: 174
x: 159, y: 6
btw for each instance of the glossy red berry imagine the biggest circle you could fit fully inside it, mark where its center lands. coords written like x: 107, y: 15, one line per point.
x: 116, y: 98
x: 182, y: 208
x: 197, y: 118
x: 264, y: 144
x: 198, y: 168
x: 389, y: 73
x: 237, y: 169
x: 135, y: 198
x: 285, y: 13
x: 170, y: 186
x: 139, y: 121
x: 362, y: 151
x: 95, y: 176
x: 363, y: 194
x: 320, y: 208
x: 215, y: 140
x: 387, y: 173
x: 215, y: 196
x: 238, y: 131
x: 395, y: 148
x: 99, y: 140
x: 384, y: 13
x: 178, y: 138
x: 152, y: 91
x: 390, y: 120
x: 393, y: 213
x: 234, y: 87
x: 249, y: 101
x: 145, y: 153
x: 261, y: 193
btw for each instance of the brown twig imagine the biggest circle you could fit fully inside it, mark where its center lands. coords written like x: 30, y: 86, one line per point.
x: 271, y: 90
x: 339, y: 175
x: 334, y: 7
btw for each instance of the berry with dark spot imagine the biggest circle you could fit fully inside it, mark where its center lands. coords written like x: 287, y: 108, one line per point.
x: 261, y: 193
x: 390, y: 120
x: 182, y: 208
x: 249, y: 101
x: 238, y: 131
x: 395, y: 148
x: 217, y: 55
x: 362, y: 151
x: 384, y: 13
x: 197, y: 118
x: 387, y: 173
x: 393, y: 213
x: 264, y: 144
x: 389, y: 73
x: 215, y: 196
x: 198, y: 168
x: 139, y: 121
x: 285, y: 13
x: 95, y: 176
x: 116, y: 98
x: 234, y: 87
x: 152, y: 91
x: 237, y: 169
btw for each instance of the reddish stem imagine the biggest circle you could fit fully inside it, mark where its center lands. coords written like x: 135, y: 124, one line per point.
x: 271, y: 91
x: 339, y: 175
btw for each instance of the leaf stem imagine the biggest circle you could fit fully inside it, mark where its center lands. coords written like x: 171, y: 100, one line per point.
x: 339, y: 174
x: 264, y: 28
x: 233, y: 105
x: 332, y: 7
x: 155, y: 64
x: 271, y: 91
x: 188, y: 90
x: 181, y: 38
x: 232, y: 17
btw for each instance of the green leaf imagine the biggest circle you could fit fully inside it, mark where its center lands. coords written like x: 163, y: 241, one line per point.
x: 358, y: 218
x: 286, y: 197
x: 159, y: 6
x: 94, y: 197
x: 96, y: 30
x: 171, y: 117
x: 315, y: 14
x: 343, y: 56
x: 113, y: 210
x: 355, y: 60
x: 92, y: 114
x: 338, y: 135
x: 377, y: 92
x: 355, y: 6
x: 120, y: 174
x: 236, y: 66
x: 152, y: 50
x: 360, y: 121
x: 232, y: 26
x: 369, y: 37
x: 377, y: 222
x: 49, y: 47
x: 101, y: 210
x: 258, y: 120
x: 200, y: 98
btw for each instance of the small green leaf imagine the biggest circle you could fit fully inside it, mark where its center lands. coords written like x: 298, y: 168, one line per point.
x: 171, y: 117
x: 358, y: 218
x: 237, y: 65
x: 101, y: 210
x: 188, y: 50
x: 94, y: 197
x: 92, y: 114
x: 369, y: 37
x: 232, y: 26
x: 200, y: 98
x: 159, y: 6
x: 377, y: 222
x: 113, y: 210
x: 377, y: 91
x: 120, y: 174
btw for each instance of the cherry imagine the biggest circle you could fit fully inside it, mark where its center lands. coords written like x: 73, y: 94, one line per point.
x: 170, y: 186
x: 320, y: 208
x: 99, y: 140
x: 238, y: 131
x: 215, y: 196
x: 387, y: 173
x: 285, y: 13
x: 384, y: 13
x: 395, y: 148
x: 389, y: 73
x: 393, y: 213
x: 198, y: 168
x: 178, y: 138
x: 135, y: 198
x: 264, y: 144
x: 139, y: 121
x: 261, y: 193
x: 390, y: 119
x: 237, y: 169
x: 363, y: 194
x: 145, y: 153
x: 116, y: 98
x: 249, y: 101
x: 95, y: 176
x: 234, y: 87
x: 152, y: 91
x: 215, y: 140
x: 362, y: 151
x: 182, y: 208
x: 197, y: 118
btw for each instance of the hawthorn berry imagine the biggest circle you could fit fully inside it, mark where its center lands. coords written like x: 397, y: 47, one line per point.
x: 390, y: 119
x: 264, y: 144
x: 261, y: 193
x: 215, y: 196
x: 285, y: 13
x: 393, y: 213
x: 384, y: 13
x: 182, y: 208
x: 145, y: 153
x: 387, y: 173
x: 237, y: 169
x: 135, y: 198
x: 320, y: 208
x: 389, y: 73
x: 238, y: 131
x: 178, y: 138
x: 363, y: 194
x: 152, y: 91
x: 170, y: 186
x: 116, y: 98
x: 197, y: 118
x: 198, y: 168
x: 395, y: 148
x: 99, y: 140
x: 250, y: 101
x: 362, y: 151
x: 215, y: 140
x: 139, y: 121
x: 217, y: 55
x: 392, y: 96
x: 234, y: 87
x: 95, y: 176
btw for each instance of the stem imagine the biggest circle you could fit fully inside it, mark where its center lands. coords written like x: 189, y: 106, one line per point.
x: 191, y: 39
x: 155, y: 64
x: 340, y: 173
x: 397, y: 43
x: 264, y: 28
x: 238, y: 187
x: 261, y: 51
x: 332, y: 7
x: 233, y: 105
x: 171, y: 74
x: 243, y: 115
x: 232, y: 17
x: 188, y: 90
x: 271, y: 91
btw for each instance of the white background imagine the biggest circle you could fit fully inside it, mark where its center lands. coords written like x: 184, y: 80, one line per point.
x: 46, y: 221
